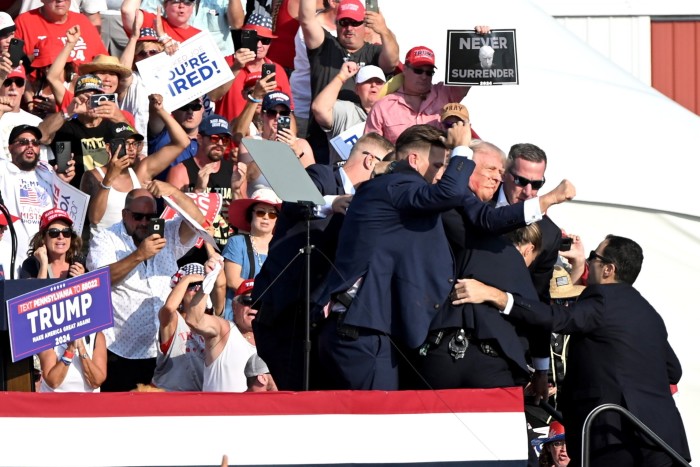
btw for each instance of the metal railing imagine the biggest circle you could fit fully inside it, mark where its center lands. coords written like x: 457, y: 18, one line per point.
x: 586, y: 441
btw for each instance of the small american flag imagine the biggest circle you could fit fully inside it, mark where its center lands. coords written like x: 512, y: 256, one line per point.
x: 28, y: 196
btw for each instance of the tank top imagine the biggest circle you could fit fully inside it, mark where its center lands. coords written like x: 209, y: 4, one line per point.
x: 227, y: 372
x: 282, y: 48
x: 115, y: 202
x: 74, y: 380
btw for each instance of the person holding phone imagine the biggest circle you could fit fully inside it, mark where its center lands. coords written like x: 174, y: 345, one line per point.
x: 130, y: 252
x: 276, y: 108
x: 248, y: 62
x: 108, y: 186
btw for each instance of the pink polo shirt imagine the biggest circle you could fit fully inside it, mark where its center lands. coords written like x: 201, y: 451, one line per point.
x: 390, y: 116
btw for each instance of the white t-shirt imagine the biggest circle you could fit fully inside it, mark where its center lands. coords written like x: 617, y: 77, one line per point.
x: 27, y: 195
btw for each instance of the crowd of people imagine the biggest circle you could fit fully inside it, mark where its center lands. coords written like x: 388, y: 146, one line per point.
x: 434, y: 263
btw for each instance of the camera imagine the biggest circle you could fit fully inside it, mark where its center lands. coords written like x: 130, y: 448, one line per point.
x: 95, y: 99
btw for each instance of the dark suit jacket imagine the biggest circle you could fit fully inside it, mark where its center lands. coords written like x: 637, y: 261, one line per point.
x: 541, y: 269
x: 393, y: 238
x: 290, y: 236
x: 493, y: 260
x: 618, y: 353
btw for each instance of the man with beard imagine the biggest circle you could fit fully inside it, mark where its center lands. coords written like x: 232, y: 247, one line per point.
x: 27, y: 188
x: 14, y: 81
x: 209, y: 171
x: 140, y: 265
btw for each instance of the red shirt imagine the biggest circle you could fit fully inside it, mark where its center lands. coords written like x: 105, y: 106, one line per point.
x: 179, y: 34
x: 231, y: 105
x: 32, y: 27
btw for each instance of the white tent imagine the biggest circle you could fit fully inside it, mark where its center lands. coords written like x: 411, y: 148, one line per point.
x: 630, y: 151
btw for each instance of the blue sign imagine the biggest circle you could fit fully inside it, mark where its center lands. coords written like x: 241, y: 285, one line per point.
x: 59, y: 313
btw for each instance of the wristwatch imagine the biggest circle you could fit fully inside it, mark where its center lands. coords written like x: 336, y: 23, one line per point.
x: 85, y: 355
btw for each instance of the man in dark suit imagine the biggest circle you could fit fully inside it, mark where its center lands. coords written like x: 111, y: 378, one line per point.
x: 393, y: 268
x: 618, y: 353
x: 279, y: 287
x: 492, y: 350
x: 524, y: 177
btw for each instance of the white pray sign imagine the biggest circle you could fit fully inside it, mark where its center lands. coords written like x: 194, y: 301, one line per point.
x: 194, y: 70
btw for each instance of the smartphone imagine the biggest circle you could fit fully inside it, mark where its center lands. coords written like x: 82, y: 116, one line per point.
x: 16, y: 51
x: 565, y: 244
x: 283, y: 122
x: 268, y: 69
x: 95, y: 99
x: 372, y: 5
x: 156, y: 226
x: 63, y: 154
x: 114, y: 145
x: 249, y: 40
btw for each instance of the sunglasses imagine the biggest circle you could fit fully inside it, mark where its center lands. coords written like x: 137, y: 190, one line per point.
x: 420, y: 71
x: 54, y: 233
x: 220, y: 139
x: 185, y: 2
x: 19, y: 82
x: 27, y: 142
x: 523, y: 182
x: 595, y: 256
x: 139, y: 216
x: 367, y: 153
x: 246, y: 300
x: 345, y: 22
x: 260, y: 214
x: 195, y: 286
x: 272, y: 113
x: 195, y: 107
x: 558, y: 443
x: 148, y: 53
x: 265, y: 40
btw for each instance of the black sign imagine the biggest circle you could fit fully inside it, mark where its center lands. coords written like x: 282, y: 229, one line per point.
x: 481, y: 60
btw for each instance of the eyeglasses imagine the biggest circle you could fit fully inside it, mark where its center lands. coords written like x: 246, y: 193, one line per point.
x: 272, y: 113
x: 345, y: 22
x: 148, y: 53
x: 133, y: 144
x: 595, y: 256
x: 265, y: 40
x: 420, y: 71
x: 185, y: 2
x: 245, y: 300
x: 558, y: 443
x: 260, y: 213
x: 139, y: 216
x: 194, y: 106
x: 220, y: 139
x: 19, y: 82
x: 27, y: 142
x: 523, y: 182
x: 367, y: 153
x: 54, y: 233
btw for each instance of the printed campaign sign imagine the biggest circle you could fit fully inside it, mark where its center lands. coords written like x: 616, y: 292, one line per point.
x: 481, y: 60
x: 71, y: 200
x: 59, y: 313
x: 194, y: 70
x: 344, y: 142
x: 209, y: 203
x: 193, y: 223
